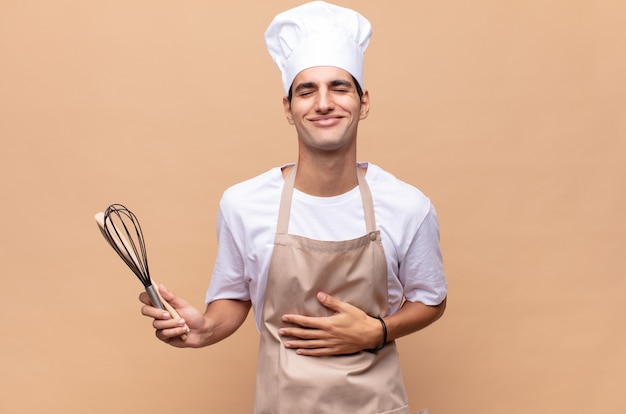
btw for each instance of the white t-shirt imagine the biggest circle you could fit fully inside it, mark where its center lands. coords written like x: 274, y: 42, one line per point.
x: 407, y: 221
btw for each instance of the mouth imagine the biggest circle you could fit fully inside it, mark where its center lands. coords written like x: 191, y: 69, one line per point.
x: 326, y: 121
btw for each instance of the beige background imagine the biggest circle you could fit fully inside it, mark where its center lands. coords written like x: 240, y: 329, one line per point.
x: 511, y: 116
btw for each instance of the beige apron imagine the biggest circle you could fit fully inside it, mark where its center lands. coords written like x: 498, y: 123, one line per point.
x: 354, y: 271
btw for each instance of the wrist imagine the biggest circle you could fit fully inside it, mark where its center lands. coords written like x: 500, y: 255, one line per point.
x: 383, y: 342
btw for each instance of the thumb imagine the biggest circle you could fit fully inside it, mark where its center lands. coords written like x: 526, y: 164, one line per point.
x: 170, y: 297
x: 167, y: 295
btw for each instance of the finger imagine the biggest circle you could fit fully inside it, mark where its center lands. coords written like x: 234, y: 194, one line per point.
x: 156, y: 313
x: 314, y: 348
x: 311, y: 322
x: 171, y: 336
x: 317, y: 352
x: 161, y: 324
x: 308, y: 334
x: 143, y: 298
x: 145, y: 310
x: 314, y: 344
x: 162, y: 336
x: 330, y: 302
x: 320, y: 352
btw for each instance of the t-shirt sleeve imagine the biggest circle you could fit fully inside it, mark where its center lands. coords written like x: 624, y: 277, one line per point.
x: 228, y: 280
x: 421, y: 272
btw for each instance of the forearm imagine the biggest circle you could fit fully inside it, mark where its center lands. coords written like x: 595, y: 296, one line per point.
x: 412, y: 317
x: 222, y: 318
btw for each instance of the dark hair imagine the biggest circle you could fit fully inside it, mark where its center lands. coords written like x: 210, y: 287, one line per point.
x: 359, y: 90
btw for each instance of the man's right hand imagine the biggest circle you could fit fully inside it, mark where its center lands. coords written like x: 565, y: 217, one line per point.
x: 170, y: 330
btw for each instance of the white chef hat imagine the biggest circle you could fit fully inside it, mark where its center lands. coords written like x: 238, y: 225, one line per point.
x: 318, y: 34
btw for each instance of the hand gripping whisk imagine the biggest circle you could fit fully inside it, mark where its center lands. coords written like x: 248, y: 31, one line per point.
x: 120, y: 227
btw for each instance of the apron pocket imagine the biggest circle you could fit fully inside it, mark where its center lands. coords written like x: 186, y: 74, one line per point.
x: 401, y: 410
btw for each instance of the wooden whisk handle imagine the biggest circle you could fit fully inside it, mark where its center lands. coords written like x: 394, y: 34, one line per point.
x: 169, y: 308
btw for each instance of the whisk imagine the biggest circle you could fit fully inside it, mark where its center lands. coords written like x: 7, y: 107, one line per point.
x: 121, y: 228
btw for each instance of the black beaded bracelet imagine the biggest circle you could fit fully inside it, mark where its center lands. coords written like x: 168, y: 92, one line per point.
x: 381, y: 346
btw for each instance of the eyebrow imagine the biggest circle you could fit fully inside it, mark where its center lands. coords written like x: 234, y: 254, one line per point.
x: 334, y: 83
x: 341, y: 82
x: 304, y: 85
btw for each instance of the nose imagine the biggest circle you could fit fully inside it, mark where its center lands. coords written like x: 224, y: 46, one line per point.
x: 324, y: 102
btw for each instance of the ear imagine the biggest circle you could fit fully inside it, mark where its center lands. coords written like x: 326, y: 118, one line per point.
x: 287, y: 109
x: 365, y: 104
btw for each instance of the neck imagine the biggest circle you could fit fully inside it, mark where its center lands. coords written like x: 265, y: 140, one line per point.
x: 326, y: 177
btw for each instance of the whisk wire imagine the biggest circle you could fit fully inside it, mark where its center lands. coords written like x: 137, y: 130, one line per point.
x: 136, y: 259
x: 123, y: 232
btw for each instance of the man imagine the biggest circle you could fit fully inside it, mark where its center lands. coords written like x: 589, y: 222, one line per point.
x: 338, y: 258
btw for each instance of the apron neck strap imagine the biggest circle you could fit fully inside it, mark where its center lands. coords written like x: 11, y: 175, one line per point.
x: 287, y: 194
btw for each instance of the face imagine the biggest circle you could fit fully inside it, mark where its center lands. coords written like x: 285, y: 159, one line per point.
x: 326, y: 109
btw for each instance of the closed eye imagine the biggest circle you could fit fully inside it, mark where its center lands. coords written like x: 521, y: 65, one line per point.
x: 341, y: 85
x: 304, y: 89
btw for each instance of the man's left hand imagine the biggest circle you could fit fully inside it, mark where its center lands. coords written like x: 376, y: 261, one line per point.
x: 348, y: 330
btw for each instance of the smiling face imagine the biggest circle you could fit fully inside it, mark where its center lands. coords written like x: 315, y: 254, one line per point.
x: 326, y: 109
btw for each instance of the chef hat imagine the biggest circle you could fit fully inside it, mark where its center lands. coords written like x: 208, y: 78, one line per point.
x: 318, y: 34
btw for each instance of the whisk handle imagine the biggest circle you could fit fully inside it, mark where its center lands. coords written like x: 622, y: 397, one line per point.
x: 154, y: 297
x: 166, y: 306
